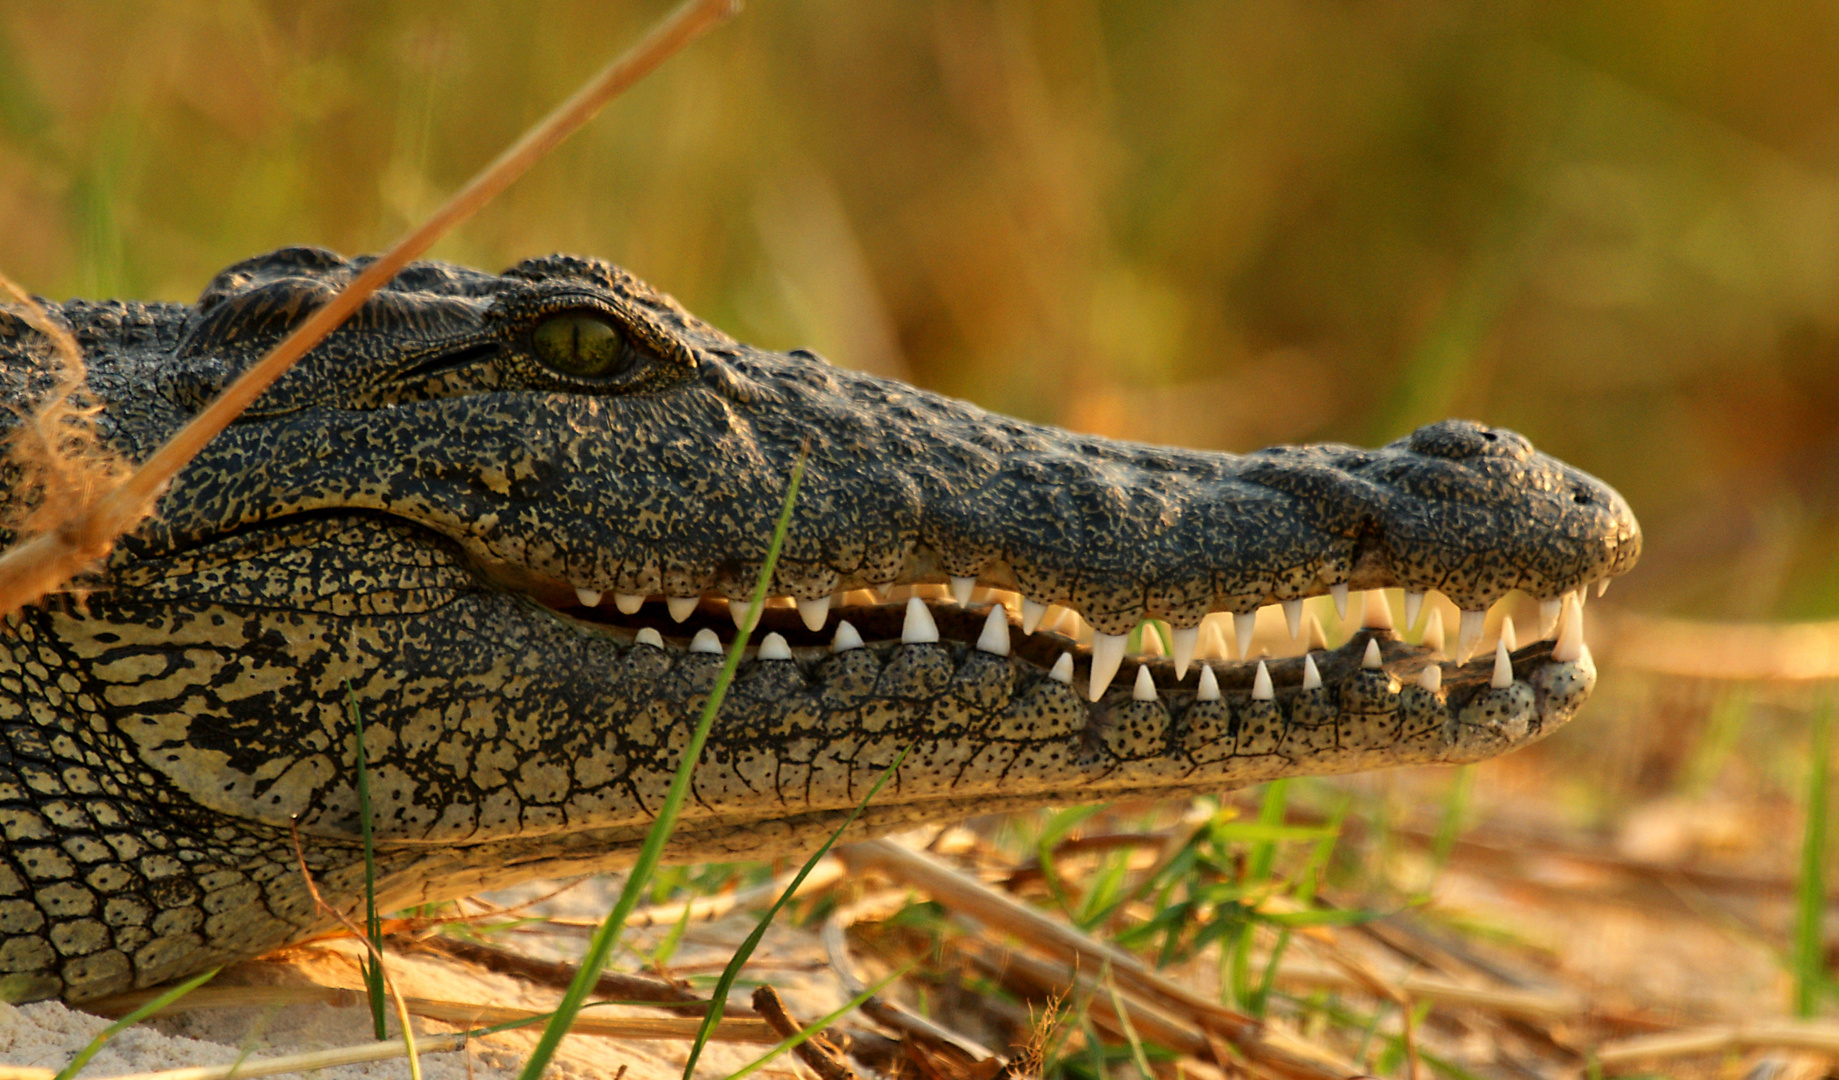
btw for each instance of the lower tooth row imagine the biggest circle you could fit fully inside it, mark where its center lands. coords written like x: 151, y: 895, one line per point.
x: 1562, y: 615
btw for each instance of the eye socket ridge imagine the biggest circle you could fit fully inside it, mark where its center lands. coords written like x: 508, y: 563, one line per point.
x: 582, y: 343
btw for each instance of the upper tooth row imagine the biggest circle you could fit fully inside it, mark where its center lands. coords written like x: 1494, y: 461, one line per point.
x: 1108, y: 650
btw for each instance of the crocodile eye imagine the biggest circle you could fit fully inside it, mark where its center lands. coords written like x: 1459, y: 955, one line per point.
x: 580, y: 344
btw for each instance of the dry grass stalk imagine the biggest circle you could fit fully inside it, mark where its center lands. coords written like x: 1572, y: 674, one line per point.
x: 817, y: 1051
x: 62, y: 467
x: 277, y: 1066
x: 45, y: 562
x: 969, y: 898
x: 1817, y: 1036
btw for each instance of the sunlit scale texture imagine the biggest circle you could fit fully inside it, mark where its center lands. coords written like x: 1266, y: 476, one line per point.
x: 435, y: 516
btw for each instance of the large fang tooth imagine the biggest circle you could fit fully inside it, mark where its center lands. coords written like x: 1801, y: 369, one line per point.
x: 1570, y: 645
x: 1107, y: 654
x: 1508, y: 638
x: 1293, y: 617
x: 918, y: 627
x: 814, y: 612
x: 1431, y: 678
x: 1261, y: 684
x: 681, y: 606
x: 1378, y: 613
x: 773, y: 647
x: 738, y: 610
x: 1032, y: 611
x: 1312, y: 678
x: 1243, y: 623
x: 1582, y: 592
x: 1549, y: 610
x: 628, y: 603
x: 846, y: 637
x: 1339, y: 592
x: 705, y: 641
x: 1602, y: 586
x: 1503, y: 666
x: 1144, y: 689
x: 1371, y: 660
x: 995, y: 636
x: 1414, y: 603
x: 649, y: 636
x: 1468, y: 634
x: 1184, y: 642
x: 1433, y: 631
x: 1209, y: 689
x: 1152, y: 640
x: 962, y: 588
x: 1062, y: 671
x: 588, y: 597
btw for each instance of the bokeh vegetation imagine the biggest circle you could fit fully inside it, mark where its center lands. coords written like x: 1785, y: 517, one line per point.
x: 1615, y: 228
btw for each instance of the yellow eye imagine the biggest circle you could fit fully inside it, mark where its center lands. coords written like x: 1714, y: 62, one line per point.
x: 581, y: 344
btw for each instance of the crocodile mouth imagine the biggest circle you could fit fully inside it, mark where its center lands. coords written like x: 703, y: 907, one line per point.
x: 1281, y: 657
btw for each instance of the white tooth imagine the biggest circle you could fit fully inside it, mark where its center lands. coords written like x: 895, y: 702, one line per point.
x: 1549, y: 610
x: 1570, y: 644
x: 1243, y: 623
x: 1032, y: 611
x: 650, y: 637
x: 814, y: 612
x: 1414, y: 603
x: 1468, y: 634
x: 588, y: 597
x: 1602, y: 586
x: 961, y: 589
x: 1184, y: 642
x: 1339, y: 592
x: 1503, y: 666
x: 705, y: 641
x: 846, y: 637
x: 1312, y: 678
x: 738, y: 611
x: 1213, y: 643
x: 681, y: 606
x: 1582, y: 592
x: 1318, y: 638
x: 1144, y: 689
x: 883, y: 591
x: 995, y: 636
x: 1507, y: 635
x: 1062, y: 671
x: 1372, y: 660
x: 1055, y: 618
x: 1433, y: 631
x: 773, y: 647
x: 918, y: 627
x: 1293, y: 617
x: 1431, y: 678
x: 1209, y: 689
x: 1261, y: 684
x: 628, y: 603
x: 1378, y: 613
x: 1152, y: 640
x: 1107, y: 654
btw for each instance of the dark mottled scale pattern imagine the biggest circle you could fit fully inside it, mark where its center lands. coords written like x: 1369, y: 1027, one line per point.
x: 403, y: 513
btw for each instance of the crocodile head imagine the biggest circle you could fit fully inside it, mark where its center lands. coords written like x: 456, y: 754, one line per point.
x: 510, y: 519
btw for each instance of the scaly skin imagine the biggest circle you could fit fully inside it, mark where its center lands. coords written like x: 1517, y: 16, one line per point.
x: 411, y: 512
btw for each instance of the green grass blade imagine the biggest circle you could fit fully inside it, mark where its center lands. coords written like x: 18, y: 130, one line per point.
x: 818, y: 1025
x: 718, y: 999
x: 102, y: 1039
x: 371, y: 964
x: 600, y: 946
x: 1810, y: 890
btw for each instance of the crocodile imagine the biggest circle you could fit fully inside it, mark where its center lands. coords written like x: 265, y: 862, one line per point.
x: 511, y: 522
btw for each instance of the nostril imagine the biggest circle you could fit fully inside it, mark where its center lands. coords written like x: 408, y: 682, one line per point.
x: 1489, y: 435
x: 1581, y: 498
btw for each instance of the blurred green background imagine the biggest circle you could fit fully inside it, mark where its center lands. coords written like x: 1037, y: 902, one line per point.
x: 1612, y: 227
